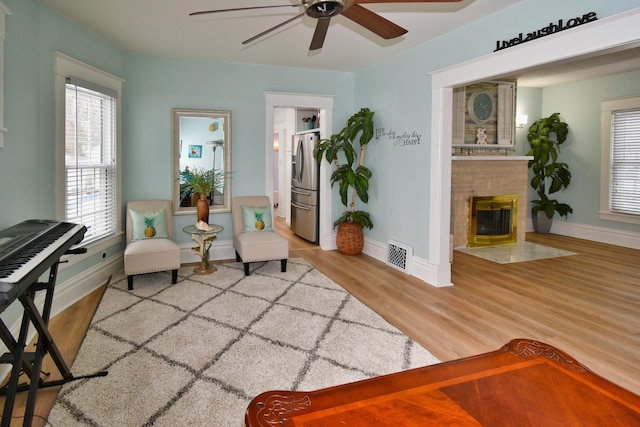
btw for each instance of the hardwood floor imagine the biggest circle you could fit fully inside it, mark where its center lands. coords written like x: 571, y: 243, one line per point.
x: 587, y: 305
x: 68, y: 330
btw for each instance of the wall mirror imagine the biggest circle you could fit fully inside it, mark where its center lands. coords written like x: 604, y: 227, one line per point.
x: 201, y: 139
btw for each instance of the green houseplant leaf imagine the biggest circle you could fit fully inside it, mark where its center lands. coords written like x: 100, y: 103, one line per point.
x: 549, y: 176
x: 201, y: 181
x: 346, y: 151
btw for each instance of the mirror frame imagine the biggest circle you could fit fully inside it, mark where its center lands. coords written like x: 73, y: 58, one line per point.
x: 177, y: 114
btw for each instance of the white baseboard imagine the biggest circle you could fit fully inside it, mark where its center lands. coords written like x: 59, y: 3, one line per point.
x: 611, y: 236
x: 76, y: 288
x: 420, y: 267
x: 427, y: 272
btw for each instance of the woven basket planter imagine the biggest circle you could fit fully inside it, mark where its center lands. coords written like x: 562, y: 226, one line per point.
x: 350, y: 239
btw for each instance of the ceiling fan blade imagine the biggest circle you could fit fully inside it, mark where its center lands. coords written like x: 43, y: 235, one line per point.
x: 320, y: 33
x: 264, y: 33
x: 406, y: 1
x: 373, y: 22
x: 205, y: 12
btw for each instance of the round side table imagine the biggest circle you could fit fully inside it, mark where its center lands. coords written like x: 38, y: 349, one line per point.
x: 203, y: 238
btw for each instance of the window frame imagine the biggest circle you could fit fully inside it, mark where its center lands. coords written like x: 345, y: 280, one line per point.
x: 608, y: 108
x: 65, y: 67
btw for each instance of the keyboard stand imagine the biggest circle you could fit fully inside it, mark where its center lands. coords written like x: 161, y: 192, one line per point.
x: 30, y: 363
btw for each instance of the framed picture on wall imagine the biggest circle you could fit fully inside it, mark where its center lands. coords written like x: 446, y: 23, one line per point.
x: 195, y: 151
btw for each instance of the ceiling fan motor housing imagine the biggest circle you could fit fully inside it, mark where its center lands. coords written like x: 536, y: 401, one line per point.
x: 324, y: 8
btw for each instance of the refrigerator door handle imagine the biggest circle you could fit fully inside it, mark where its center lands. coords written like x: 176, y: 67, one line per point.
x: 303, y: 193
x: 300, y: 207
x: 300, y: 158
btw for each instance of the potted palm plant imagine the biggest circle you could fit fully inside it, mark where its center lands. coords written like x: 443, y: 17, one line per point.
x: 351, y: 176
x: 549, y: 175
x: 201, y: 182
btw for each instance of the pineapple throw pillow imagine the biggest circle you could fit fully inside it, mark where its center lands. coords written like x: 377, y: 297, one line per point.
x: 257, y: 218
x: 149, y: 224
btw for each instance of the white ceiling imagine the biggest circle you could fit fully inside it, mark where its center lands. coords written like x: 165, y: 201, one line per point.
x: 613, y: 61
x: 164, y: 28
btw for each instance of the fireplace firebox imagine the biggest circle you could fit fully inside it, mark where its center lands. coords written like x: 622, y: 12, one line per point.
x: 493, y: 220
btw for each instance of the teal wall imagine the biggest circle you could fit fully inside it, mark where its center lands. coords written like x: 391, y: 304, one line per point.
x: 33, y: 34
x: 156, y: 85
x: 529, y: 102
x: 398, y: 90
x: 579, y: 105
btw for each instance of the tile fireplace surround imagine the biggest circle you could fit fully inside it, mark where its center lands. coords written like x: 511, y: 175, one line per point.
x: 486, y: 176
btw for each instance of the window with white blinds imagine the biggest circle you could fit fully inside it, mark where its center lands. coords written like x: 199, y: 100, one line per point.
x: 625, y: 162
x: 620, y: 174
x: 90, y: 158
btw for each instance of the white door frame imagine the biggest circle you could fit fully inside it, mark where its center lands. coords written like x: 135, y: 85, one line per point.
x: 324, y: 103
x: 616, y: 32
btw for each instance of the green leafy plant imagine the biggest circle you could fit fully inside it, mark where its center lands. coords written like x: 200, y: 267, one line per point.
x: 549, y: 176
x: 352, y: 174
x: 201, y: 181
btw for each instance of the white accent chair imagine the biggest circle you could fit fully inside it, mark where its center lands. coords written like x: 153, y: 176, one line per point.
x: 150, y: 255
x: 256, y: 246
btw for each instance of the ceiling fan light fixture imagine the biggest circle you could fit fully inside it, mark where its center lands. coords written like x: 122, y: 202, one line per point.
x: 324, y: 8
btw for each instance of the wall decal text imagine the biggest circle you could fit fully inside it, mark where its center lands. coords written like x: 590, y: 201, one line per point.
x: 402, y: 138
x: 547, y: 31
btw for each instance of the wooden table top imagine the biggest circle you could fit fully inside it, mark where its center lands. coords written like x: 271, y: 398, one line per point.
x: 525, y: 383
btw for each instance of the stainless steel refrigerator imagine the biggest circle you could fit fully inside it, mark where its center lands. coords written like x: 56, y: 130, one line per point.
x: 304, y: 187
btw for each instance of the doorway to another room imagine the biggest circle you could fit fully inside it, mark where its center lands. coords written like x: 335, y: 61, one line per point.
x: 284, y: 111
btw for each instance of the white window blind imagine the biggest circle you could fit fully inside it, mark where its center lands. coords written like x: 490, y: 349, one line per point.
x: 625, y: 162
x: 90, y: 158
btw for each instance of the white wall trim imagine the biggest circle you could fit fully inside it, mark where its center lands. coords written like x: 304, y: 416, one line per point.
x: 610, y: 236
x: 617, y: 32
x: 81, y: 285
x: 420, y: 268
x: 4, y: 12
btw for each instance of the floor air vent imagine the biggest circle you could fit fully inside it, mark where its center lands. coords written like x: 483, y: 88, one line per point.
x: 399, y: 256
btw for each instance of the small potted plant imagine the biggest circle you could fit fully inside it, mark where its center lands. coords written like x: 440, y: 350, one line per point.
x: 310, y: 122
x: 350, y: 175
x: 549, y: 176
x: 201, y: 182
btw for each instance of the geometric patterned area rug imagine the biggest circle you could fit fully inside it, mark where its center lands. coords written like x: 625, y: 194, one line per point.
x: 197, y: 352
x: 515, y: 252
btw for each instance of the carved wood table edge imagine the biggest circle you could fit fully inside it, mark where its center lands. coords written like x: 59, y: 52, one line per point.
x: 526, y: 381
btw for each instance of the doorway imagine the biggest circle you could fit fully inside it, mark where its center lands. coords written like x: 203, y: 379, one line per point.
x: 617, y: 32
x: 324, y: 104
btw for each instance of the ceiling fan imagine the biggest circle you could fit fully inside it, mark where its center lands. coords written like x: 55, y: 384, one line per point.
x: 324, y: 10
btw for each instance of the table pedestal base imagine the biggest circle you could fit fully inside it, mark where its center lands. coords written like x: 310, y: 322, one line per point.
x: 201, y: 271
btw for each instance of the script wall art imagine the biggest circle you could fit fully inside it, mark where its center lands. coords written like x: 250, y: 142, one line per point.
x: 400, y: 138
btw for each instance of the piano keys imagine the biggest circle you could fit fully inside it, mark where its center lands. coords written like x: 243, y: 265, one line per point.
x: 28, y: 249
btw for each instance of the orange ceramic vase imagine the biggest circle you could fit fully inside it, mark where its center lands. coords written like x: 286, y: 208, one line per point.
x: 202, y: 209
